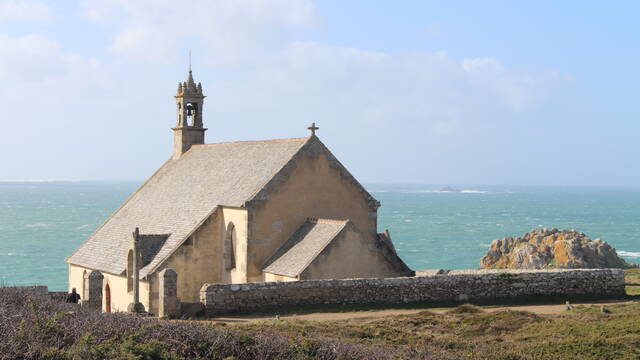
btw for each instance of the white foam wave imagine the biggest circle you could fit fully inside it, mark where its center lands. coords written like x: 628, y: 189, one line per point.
x: 630, y: 254
x: 37, y: 225
x: 467, y: 191
x: 418, y: 191
x: 82, y: 227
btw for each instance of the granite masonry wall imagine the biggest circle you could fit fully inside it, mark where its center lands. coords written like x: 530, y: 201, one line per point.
x: 455, y: 286
x: 38, y: 290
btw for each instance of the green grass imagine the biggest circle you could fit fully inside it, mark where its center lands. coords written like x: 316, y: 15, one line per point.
x: 632, y: 276
x: 581, y: 333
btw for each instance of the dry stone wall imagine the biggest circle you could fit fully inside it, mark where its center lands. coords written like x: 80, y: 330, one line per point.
x: 465, y: 286
x: 38, y: 290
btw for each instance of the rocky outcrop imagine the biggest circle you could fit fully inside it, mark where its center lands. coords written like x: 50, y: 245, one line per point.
x: 551, y: 249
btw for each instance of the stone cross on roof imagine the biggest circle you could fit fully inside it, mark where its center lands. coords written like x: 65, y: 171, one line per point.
x: 313, y: 129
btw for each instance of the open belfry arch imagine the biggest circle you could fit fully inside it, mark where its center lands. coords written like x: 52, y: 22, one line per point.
x: 234, y: 212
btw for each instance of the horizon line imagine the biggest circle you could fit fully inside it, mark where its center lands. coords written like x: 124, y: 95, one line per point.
x: 63, y: 180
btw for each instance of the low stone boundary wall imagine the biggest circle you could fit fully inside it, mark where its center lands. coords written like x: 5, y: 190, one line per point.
x: 58, y: 295
x: 38, y: 290
x: 456, y: 286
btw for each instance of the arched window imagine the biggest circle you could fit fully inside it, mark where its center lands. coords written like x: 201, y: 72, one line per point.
x: 130, y: 271
x: 230, y: 247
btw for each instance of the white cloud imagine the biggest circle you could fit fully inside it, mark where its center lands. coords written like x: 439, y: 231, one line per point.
x: 403, y: 109
x: 48, y: 87
x: 383, y: 89
x: 411, y: 111
x: 99, y: 11
x: 32, y: 61
x: 482, y: 64
x: 29, y: 58
x: 61, y: 111
x: 257, y: 36
x: 230, y: 31
x: 23, y: 10
x: 520, y: 90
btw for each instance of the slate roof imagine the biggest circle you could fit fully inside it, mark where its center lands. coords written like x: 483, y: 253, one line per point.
x: 304, y: 245
x: 150, y: 245
x: 182, y: 194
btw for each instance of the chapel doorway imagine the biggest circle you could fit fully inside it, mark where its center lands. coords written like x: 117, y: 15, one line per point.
x: 107, y: 298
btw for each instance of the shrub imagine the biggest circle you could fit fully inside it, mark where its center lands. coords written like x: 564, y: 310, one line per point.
x: 465, y: 309
x: 41, y: 328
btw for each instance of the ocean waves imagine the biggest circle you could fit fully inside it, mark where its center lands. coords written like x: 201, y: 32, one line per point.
x: 629, y: 254
x: 430, y: 191
x: 37, y: 225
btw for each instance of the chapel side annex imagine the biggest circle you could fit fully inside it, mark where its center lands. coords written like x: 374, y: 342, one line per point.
x: 237, y: 212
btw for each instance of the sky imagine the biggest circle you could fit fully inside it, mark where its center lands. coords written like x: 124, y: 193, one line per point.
x: 420, y: 92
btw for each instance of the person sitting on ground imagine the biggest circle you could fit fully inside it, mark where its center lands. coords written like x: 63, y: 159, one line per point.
x: 74, y: 297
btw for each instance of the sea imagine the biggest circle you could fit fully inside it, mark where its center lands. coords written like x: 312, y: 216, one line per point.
x: 43, y: 222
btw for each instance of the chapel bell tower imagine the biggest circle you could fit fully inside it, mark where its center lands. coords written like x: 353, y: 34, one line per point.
x: 189, y: 129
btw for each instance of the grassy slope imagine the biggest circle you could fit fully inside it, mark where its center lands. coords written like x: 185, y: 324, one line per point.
x: 583, y: 333
x: 633, y: 277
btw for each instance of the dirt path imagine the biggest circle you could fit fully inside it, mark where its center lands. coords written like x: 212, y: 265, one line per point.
x: 322, y: 316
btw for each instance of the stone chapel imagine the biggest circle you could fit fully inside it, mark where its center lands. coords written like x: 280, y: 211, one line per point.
x: 235, y: 212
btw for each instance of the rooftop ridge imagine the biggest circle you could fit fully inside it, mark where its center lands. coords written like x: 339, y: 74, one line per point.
x: 254, y: 141
x: 298, y: 237
x: 327, y: 221
x: 330, y: 239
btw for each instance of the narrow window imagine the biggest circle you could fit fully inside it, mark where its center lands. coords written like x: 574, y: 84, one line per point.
x: 230, y: 247
x: 130, y: 271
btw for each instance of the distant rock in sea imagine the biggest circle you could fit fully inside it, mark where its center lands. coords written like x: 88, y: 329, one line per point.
x: 449, y: 189
x: 551, y: 249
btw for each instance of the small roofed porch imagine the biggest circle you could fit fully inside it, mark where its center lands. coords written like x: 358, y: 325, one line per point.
x: 333, y: 249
